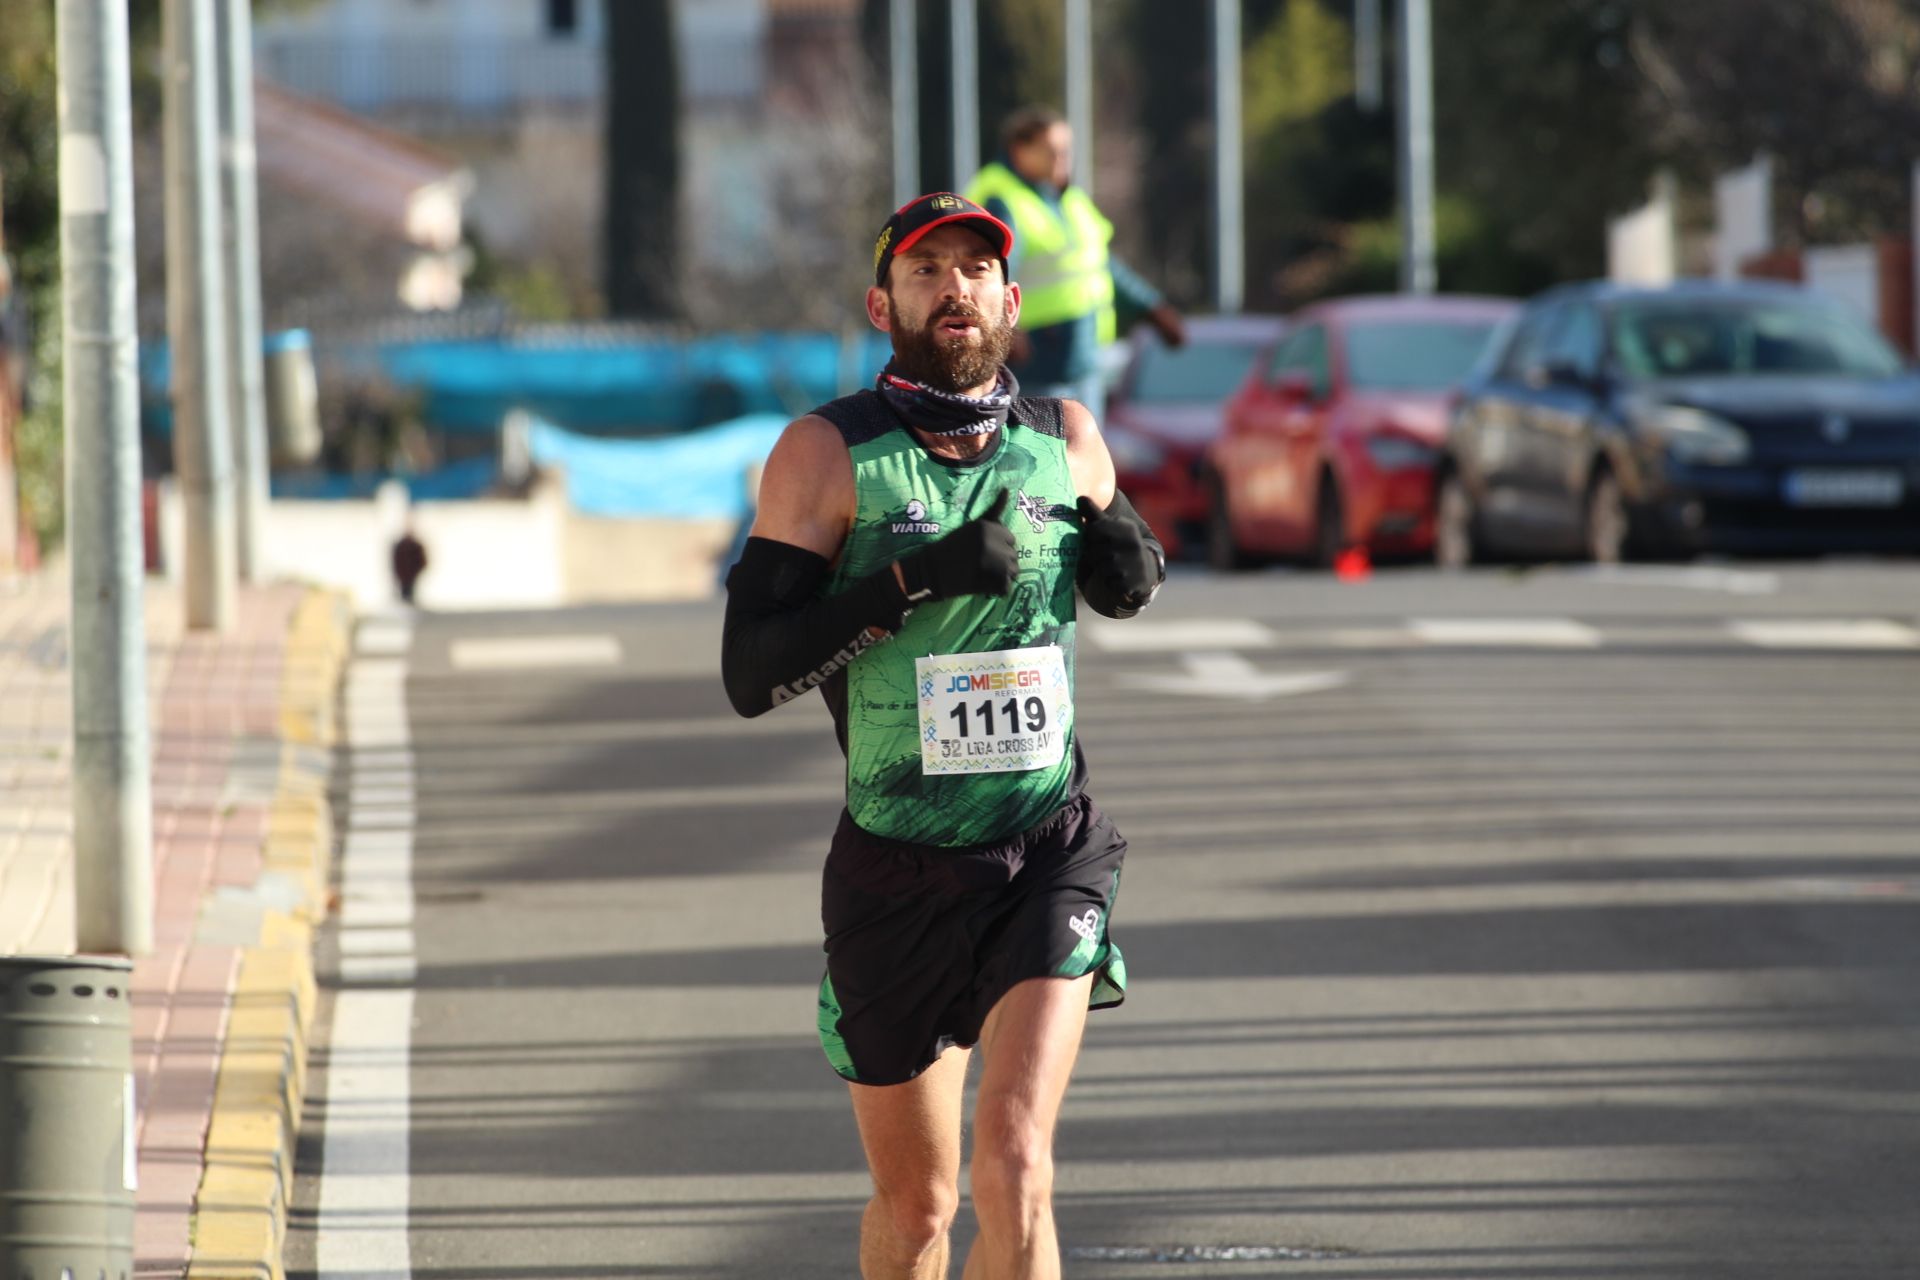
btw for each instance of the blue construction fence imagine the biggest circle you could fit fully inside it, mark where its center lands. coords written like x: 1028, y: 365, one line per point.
x: 630, y: 386
x: 642, y: 425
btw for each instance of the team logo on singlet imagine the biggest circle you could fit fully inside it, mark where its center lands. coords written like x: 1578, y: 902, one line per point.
x: 1038, y: 510
x: 913, y: 520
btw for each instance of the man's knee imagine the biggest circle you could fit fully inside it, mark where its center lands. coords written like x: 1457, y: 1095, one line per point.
x: 919, y: 1215
x: 1012, y: 1159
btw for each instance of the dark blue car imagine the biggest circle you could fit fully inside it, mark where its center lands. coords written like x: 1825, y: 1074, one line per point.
x: 1611, y: 421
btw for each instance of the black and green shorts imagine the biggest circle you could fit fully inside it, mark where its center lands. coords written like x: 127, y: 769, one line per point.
x: 923, y: 941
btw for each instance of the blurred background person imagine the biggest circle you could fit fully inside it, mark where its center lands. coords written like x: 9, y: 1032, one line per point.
x: 409, y: 562
x: 1073, y: 290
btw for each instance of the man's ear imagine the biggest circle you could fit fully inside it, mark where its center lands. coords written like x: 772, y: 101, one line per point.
x: 880, y: 310
x: 1013, y: 304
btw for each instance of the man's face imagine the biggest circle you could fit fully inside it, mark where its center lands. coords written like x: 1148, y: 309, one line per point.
x: 948, y: 311
x: 1047, y: 157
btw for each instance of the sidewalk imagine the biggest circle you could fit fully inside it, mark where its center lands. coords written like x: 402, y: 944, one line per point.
x: 242, y: 729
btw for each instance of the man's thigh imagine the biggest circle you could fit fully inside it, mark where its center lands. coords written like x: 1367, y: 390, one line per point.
x: 911, y: 1131
x: 1028, y: 1047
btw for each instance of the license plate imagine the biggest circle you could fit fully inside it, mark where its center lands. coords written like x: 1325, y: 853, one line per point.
x: 1837, y: 488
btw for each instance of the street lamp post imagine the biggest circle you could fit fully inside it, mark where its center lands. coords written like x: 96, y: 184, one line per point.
x: 906, y: 102
x: 1230, y: 268
x: 202, y: 445
x: 240, y: 208
x: 112, y: 769
x: 966, y: 91
x: 1417, y: 272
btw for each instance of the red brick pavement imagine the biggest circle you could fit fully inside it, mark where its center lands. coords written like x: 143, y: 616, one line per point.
x: 216, y: 705
x: 206, y: 834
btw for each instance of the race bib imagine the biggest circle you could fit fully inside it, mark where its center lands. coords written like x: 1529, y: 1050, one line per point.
x: 999, y: 712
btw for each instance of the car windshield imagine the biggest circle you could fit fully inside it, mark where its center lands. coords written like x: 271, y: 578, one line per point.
x: 1414, y: 355
x: 1728, y: 337
x: 1198, y: 373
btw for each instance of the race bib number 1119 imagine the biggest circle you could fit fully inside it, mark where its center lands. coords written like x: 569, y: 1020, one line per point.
x: 999, y: 712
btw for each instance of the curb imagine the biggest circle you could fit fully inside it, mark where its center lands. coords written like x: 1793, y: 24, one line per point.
x: 240, y: 1214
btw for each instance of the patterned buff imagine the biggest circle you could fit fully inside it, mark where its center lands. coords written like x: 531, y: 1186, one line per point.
x: 945, y: 413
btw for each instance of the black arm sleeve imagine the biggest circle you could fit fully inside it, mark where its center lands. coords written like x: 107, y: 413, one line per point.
x: 781, y: 639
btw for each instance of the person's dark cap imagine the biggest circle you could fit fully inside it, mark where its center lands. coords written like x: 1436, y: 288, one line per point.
x: 922, y: 214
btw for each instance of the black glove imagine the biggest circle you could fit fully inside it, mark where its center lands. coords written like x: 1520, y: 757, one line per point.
x: 1121, y: 562
x: 977, y: 559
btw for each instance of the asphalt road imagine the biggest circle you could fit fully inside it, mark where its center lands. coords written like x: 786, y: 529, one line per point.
x: 1512, y: 925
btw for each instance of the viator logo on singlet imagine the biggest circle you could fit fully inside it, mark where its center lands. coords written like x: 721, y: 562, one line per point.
x: 914, y: 520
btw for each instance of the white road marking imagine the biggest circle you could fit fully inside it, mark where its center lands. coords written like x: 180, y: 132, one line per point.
x: 1739, y: 582
x: 506, y: 653
x: 1228, y: 675
x: 1814, y: 633
x: 364, y: 1192
x: 1196, y: 634
x: 1528, y: 633
x: 386, y: 636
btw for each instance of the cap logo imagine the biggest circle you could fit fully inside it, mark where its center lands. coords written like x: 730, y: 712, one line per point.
x: 946, y: 202
x: 880, y: 246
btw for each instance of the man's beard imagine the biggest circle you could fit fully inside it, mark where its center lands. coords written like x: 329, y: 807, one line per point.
x: 954, y: 365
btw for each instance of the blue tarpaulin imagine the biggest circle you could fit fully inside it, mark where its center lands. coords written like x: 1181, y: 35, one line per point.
x: 629, y: 386
x: 700, y: 473
x: 633, y: 386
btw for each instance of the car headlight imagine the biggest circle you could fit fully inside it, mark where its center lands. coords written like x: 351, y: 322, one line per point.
x: 1133, y: 453
x: 1398, y: 453
x: 1696, y: 436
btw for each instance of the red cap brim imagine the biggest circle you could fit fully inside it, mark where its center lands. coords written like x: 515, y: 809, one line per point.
x: 1006, y: 232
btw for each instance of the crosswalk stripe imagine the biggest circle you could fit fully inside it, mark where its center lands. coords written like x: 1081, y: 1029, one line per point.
x: 1230, y: 635
x: 1817, y: 633
x: 1544, y: 633
x: 1211, y: 635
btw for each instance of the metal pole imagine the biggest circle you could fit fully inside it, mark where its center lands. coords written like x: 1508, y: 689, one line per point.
x: 201, y: 441
x: 240, y: 210
x: 1230, y: 258
x: 112, y: 778
x: 1080, y: 90
x: 966, y: 91
x: 1417, y: 273
x: 906, y: 103
x: 1367, y: 89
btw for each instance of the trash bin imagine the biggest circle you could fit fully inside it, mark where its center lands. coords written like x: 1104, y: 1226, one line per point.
x: 66, y: 1118
x: 293, y: 399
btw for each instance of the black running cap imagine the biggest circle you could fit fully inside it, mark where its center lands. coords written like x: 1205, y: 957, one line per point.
x: 922, y: 214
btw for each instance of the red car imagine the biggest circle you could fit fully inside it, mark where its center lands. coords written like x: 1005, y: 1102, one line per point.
x: 1332, y: 440
x: 1164, y: 408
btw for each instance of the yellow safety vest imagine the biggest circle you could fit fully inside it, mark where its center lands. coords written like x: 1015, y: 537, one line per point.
x: 1063, y: 255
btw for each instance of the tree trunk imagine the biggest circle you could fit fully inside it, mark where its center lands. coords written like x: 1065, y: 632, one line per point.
x: 643, y: 160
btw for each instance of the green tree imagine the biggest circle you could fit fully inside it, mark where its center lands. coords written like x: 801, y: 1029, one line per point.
x: 29, y: 142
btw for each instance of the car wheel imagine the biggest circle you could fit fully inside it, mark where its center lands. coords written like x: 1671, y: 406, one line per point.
x: 1456, y: 542
x: 1223, y: 551
x: 1606, y: 523
x: 1329, y: 524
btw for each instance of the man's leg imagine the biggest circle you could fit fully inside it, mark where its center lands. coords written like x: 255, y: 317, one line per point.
x: 911, y: 1133
x: 1027, y: 1047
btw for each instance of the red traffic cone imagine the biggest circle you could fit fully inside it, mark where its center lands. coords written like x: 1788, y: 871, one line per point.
x: 1352, y: 565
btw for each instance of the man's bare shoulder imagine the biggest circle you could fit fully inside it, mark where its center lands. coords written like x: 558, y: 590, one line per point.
x: 806, y: 488
x: 1087, y: 455
x: 1079, y: 423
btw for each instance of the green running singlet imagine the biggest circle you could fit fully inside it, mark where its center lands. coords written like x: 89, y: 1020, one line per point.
x: 906, y: 498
